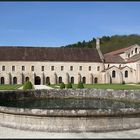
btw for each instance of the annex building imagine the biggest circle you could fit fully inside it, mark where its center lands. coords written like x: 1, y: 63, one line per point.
x: 55, y: 65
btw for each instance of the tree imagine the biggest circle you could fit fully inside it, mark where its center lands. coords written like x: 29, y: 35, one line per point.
x: 27, y: 85
x: 80, y: 85
x: 69, y: 85
x: 62, y: 85
x: 109, y: 43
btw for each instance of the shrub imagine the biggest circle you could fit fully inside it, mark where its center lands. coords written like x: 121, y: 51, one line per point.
x: 123, y: 82
x: 48, y: 83
x: 80, y: 85
x: 62, y: 85
x: 27, y: 85
x: 69, y: 85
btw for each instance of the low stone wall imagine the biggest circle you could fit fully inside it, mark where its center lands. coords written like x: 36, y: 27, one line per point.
x: 133, y: 95
x: 70, y: 120
x: 69, y: 124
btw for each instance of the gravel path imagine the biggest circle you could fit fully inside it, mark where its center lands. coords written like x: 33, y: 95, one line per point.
x: 39, y: 87
x: 16, y: 133
x: 42, y: 87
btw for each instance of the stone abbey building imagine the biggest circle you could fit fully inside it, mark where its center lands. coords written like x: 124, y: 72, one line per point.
x: 55, y: 65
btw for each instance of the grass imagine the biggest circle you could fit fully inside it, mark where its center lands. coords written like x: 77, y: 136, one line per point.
x: 9, y: 87
x: 105, y: 86
x: 95, y: 86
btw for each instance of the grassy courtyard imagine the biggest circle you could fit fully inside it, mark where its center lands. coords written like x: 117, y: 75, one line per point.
x: 74, y: 86
x: 9, y: 87
x: 105, y: 86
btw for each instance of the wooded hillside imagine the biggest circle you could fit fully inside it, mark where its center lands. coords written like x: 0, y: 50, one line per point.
x: 110, y: 43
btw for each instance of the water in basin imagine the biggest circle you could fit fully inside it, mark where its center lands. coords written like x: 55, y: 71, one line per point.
x: 71, y: 104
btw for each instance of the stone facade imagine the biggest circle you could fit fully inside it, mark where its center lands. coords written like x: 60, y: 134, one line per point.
x: 116, y: 67
x: 55, y: 76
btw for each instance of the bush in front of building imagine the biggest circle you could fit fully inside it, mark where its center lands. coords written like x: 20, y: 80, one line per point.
x: 62, y: 85
x: 48, y: 83
x: 80, y: 85
x: 27, y: 85
x: 69, y: 85
x: 123, y: 82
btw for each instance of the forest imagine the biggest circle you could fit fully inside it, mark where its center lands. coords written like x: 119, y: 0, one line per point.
x: 109, y: 43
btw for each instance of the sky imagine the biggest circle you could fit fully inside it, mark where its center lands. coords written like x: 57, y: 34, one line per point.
x: 55, y: 24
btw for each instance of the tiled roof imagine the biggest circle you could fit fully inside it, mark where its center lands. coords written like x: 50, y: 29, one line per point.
x: 48, y: 54
x: 113, y: 59
x: 119, y: 51
x: 134, y: 58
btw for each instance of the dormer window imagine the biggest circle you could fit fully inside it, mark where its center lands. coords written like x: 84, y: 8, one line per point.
x: 132, y: 52
x: 128, y: 55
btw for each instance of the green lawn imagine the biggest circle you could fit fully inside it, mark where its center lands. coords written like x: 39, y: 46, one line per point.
x: 96, y: 86
x: 105, y: 86
x: 9, y: 87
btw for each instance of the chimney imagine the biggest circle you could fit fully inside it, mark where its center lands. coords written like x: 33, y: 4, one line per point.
x: 97, y: 43
x: 98, y: 49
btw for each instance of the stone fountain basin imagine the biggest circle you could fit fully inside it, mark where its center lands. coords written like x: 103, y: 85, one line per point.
x: 71, y: 120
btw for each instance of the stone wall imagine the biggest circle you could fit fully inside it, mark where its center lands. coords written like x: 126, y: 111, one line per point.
x: 53, y: 74
x: 69, y: 124
x: 75, y: 120
x: 131, y: 95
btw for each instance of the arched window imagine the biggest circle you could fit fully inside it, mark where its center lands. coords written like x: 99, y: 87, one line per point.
x: 2, y: 80
x: 113, y: 74
x: 72, y: 80
x: 84, y: 80
x: 95, y: 80
x: 60, y: 80
x: 126, y: 73
x: 136, y: 49
x: 14, y: 80
x: 37, y: 80
x: 47, y: 80
x: 27, y: 79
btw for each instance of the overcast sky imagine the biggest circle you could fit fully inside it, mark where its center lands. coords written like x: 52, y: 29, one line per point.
x: 54, y: 24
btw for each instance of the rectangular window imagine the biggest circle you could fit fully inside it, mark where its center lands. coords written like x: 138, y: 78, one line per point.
x: 32, y: 68
x: 13, y: 68
x: 71, y: 68
x: 52, y: 68
x: 89, y: 68
x: 23, y: 68
x: 80, y: 68
x: 3, y: 68
x: 42, y: 68
x: 98, y: 68
x: 62, y: 68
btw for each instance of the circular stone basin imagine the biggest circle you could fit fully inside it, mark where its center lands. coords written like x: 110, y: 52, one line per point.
x: 70, y: 115
x: 98, y: 106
